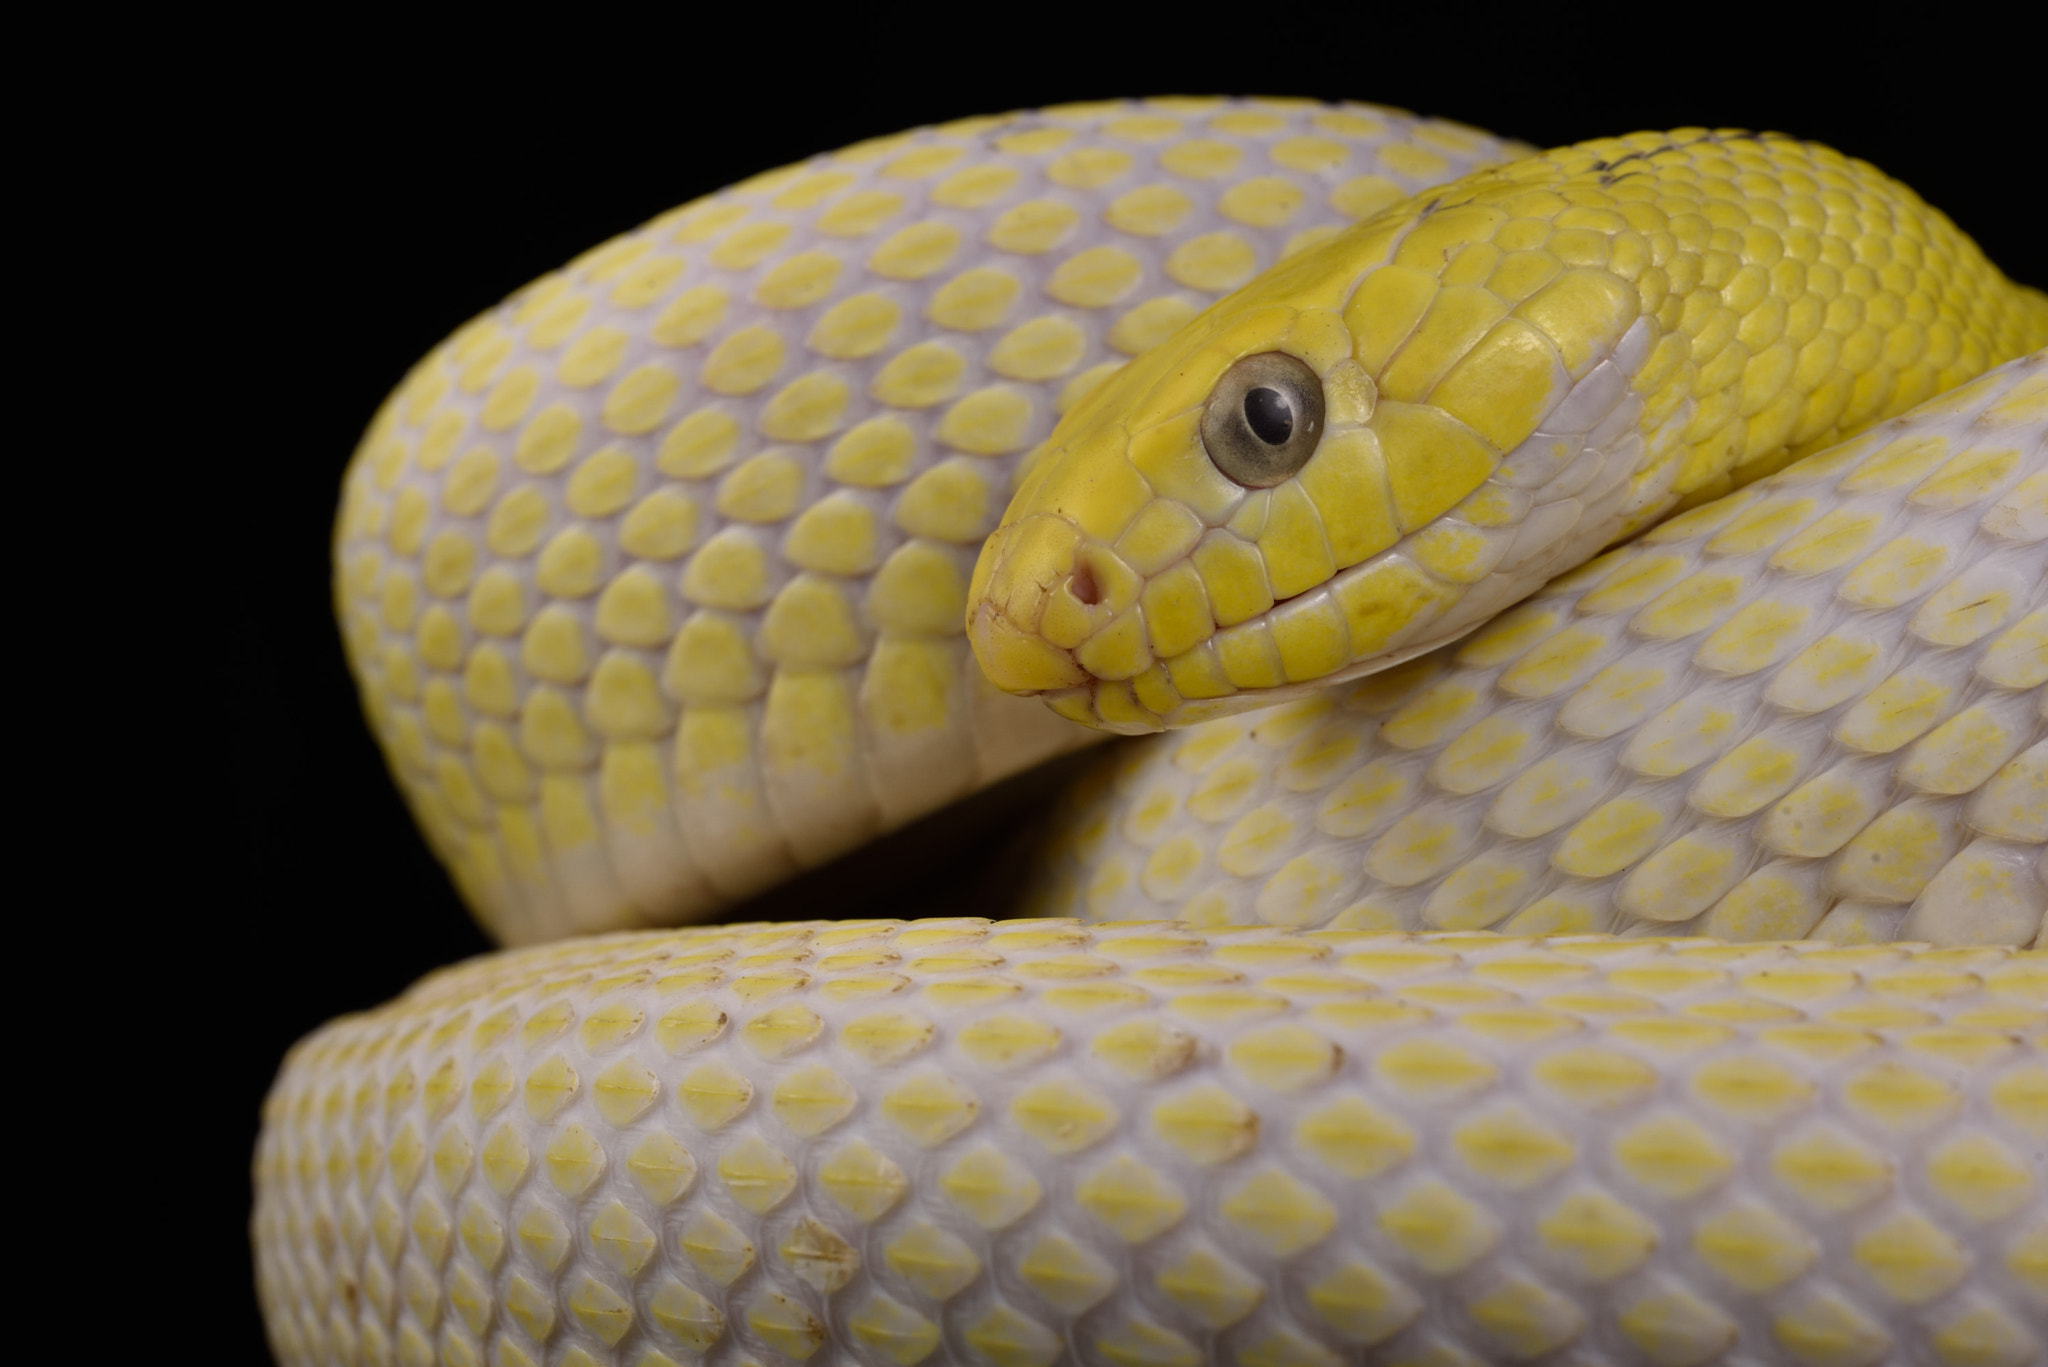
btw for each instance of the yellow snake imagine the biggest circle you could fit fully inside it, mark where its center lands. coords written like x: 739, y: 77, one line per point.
x: 667, y: 578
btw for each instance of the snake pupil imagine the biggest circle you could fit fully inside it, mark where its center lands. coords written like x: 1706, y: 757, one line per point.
x: 1269, y: 414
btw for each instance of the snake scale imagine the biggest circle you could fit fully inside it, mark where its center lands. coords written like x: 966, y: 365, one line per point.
x: 1649, y: 973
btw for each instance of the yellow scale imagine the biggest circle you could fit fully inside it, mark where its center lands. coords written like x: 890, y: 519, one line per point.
x: 1749, y: 298
x: 1242, y: 1144
x: 1813, y: 708
x: 654, y: 577
x: 660, y: 582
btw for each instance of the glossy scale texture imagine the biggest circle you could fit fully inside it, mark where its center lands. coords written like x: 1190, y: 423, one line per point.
x: 1519, y: 369
x: 1021, y: 1143
x: 1815, y: 707
x: 653, y: 577
x: 656, y: 580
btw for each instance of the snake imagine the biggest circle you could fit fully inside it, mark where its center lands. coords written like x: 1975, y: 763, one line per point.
x: 1572, y: 889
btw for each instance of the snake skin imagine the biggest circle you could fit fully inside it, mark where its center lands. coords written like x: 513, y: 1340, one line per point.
x: 653, y: 577
x: 1519, y: 368
x: 1812, y: 708
x: 1031, y: 1142
x: 656, y: 581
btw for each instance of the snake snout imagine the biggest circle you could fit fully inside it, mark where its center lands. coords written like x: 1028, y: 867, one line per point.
x: 1021, y: 569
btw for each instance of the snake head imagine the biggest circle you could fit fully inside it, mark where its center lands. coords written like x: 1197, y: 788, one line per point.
x: 1297, y: 488
x: 1388, y: 438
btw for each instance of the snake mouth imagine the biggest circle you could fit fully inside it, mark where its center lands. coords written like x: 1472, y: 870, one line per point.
x: 1059, y: 615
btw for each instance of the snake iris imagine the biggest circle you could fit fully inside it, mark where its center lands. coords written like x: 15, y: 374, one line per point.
x: 660, y: 583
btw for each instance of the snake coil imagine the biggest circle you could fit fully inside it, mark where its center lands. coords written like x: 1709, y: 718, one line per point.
x: 1650, y: 974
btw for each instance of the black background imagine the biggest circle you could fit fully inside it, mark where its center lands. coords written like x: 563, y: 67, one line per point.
x: 346, y: 221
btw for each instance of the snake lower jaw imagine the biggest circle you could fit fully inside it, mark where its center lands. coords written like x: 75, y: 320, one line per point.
x: 1141, y: 706
x: 1092, y: 707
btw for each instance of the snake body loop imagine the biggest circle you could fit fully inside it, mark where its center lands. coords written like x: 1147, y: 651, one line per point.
x: 661, y: 582
x: 653, y: 578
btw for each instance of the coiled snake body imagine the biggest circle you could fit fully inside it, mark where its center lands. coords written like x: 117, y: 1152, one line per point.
x: 661, y: 582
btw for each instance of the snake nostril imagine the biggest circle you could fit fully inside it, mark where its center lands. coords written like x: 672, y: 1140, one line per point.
x: 1083, y: 586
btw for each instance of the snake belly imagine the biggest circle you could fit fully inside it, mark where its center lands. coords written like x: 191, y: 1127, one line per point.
x: 1024, y: 1142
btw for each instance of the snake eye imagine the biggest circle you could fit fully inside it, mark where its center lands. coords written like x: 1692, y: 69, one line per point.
x: 1264, y: 419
